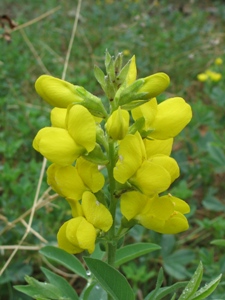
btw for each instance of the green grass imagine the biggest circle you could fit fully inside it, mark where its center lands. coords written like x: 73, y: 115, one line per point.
x: 181, y: 40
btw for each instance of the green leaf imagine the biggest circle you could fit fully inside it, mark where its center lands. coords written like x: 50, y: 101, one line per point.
x: 162, y: 292
x: 219, y: 242
x: 193, y: 284
x: 93, y: 292
x: 159, y: 282
x: 67, y: 260
x: 61, y: 283
x: 130, y: 252
x: 40, y: 290
x: 100, y: 76
x: 110, y: 279
x: 206, y: 290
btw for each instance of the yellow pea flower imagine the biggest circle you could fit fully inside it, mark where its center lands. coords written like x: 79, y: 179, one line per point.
x: 150, y: 175
x: 64, y: 146
x: 77, y: 235
x: 56, y: 92
x: 96, y: 213
x: 131, y: 155
x: 80, y: 232
x: 71, y: 182
x: 57, y: 145
x: 161, y: 214
x: 117, y: 124
x: 167, y: 120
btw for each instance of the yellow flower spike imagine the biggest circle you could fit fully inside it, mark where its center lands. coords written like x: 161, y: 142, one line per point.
x: 58, y: 117
x: 167, y: 163
x: 66, y: 181
x: 57, y: 145
x: 81, y: 126
x: 56, y: 92
x: 155, y: 84
x: 154, y: 147
x: 172, y: 116
x: 90, y: 174
x: 132, y: 72
x: 151, y: 178
x: 131, y: 155
x: 147, y: 110
x: 117, y: 124
x: 77, y: 235
x: 95, y: 212
x: 179, y: 205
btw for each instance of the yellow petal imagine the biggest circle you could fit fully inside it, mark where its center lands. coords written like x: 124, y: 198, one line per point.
x: 81, y: 233
x: 179, y: 205
x: 64, y: 243
x: 172, y: 116
x: 159, y: 211
x: 90, y: 174
x: 57, y: 145
x: 66, y: 181
x: 132, y: 72
x: 117, y: 124
x: 132, y: 204
x: 154, y: 147
x: 95, y: 212
x: 81, y: 126
x: 147, y: 110
x: 58, y: 117
x: 167, y: 163
x: 56, y: 92
x: 76, y: 208
x: 131, y: 155
x: 155, y: 84
x: 151, y: 178
x: 175, y: 224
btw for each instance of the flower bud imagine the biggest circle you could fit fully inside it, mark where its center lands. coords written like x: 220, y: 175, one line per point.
x: 117, y: 124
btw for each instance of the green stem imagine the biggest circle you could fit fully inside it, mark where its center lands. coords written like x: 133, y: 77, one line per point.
x: 112, y: 244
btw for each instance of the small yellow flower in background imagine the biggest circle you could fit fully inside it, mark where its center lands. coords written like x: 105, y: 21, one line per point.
x: 213, y: 76
x: 202, y: 77
x: 218, y: 61
x: 79, y: 233
x: 126, y: 52
x: 161, y: 214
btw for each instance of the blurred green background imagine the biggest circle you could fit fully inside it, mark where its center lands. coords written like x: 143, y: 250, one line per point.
x: 181, y: 38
